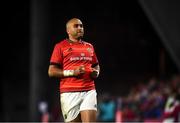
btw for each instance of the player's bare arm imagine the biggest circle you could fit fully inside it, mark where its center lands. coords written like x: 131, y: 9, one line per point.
x: 55, y: 71
x: 95, y: 71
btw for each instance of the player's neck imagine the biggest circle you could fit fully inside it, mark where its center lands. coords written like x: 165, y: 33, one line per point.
x: 72, y: 40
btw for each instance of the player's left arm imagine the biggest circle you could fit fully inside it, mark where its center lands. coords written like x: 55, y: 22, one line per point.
x: 95, y: 71
x: 95, y: 68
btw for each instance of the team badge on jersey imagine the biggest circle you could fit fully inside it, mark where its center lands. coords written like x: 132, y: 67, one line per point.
x: 89, y: 50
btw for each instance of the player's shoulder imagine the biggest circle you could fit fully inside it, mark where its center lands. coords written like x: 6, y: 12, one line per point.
x: 61, y: 43
x: 87, y: 43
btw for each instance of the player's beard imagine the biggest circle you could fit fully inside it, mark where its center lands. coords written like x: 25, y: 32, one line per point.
x: 79, y: 35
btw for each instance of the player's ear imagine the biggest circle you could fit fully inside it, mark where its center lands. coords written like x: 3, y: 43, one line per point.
x: 67, y: 30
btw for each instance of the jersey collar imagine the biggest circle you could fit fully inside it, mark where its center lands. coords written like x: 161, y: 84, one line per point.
x: 71, y: 42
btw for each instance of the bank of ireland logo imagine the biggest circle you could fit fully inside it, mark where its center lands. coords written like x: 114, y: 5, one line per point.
x: 82, y: 54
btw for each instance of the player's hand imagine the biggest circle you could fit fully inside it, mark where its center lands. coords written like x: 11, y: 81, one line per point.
x: 79, y: 70
x: 94, y: 74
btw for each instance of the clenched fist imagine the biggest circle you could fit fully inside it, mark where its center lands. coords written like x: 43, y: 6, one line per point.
x: 94, y: 74
x: 79, y: 70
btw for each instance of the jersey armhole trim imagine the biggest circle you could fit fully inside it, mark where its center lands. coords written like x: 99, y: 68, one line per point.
x: 54, y: 63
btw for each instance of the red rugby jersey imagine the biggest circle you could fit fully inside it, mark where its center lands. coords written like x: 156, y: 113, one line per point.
x: 69, y: 56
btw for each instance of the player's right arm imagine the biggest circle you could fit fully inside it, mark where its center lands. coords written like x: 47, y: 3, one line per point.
x: 55, y: 71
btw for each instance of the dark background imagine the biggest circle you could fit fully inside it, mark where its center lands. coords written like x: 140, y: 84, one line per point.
x: 130, y: 45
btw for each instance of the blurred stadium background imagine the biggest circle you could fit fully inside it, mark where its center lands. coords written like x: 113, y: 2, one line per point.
x: 137, y: 43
